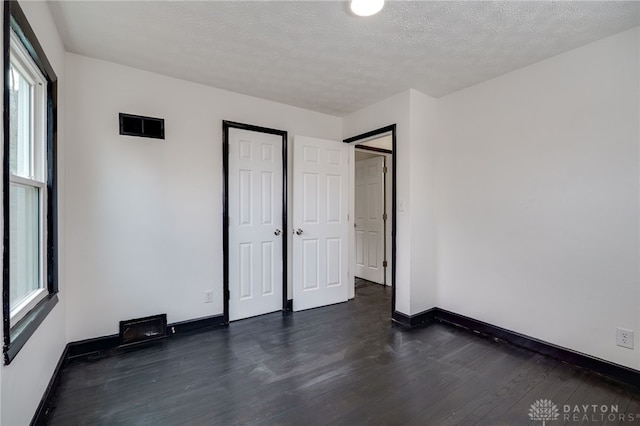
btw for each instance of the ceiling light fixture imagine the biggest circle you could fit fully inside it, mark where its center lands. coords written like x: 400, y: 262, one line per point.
x: 366, y: 7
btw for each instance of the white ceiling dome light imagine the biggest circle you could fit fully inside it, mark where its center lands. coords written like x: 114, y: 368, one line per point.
x: 366, y: 7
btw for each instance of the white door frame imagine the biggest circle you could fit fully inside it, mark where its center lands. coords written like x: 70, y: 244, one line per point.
x: 226, y: 126
x: 362, y: 138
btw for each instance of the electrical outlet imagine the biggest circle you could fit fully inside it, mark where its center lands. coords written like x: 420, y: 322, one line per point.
x: 208, y: 296
x: 624, y: 338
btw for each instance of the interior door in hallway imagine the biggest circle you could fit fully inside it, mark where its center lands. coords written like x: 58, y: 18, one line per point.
x: 255, y: 223
x: 320, y: 222
x: 369, y: 219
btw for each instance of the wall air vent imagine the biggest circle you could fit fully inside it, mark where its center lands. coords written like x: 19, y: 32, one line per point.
x: 145, y: 127
x: 143, y: 329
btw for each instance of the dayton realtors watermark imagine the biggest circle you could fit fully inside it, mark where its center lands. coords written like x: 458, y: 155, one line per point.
x: 546, y: 411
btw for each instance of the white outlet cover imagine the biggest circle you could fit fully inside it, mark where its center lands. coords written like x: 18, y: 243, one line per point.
x: 624, y: 338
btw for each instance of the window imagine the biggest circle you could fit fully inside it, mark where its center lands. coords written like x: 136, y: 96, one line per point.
x: 29, y: 188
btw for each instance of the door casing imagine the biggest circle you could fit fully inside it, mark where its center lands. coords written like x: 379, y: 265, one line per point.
x: 371, y: 135
x: 226, y: 125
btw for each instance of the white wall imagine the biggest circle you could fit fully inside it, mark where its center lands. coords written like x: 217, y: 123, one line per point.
x: 23, y: 382
x: 538, y: 199
x: 147, y: 214
x: 415, y: 114
x: 423, y: 202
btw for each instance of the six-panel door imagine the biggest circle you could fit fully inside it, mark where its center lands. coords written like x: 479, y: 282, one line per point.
x: 369, y: 223
x: 320, y: 227
x: 255, y: 223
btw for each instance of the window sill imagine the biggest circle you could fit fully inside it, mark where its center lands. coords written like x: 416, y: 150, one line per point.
x: 27, y: 305
x: 24, y: 329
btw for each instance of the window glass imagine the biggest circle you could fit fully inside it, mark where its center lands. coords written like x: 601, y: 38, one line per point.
x: 24, y: 237
x: 21, y: 106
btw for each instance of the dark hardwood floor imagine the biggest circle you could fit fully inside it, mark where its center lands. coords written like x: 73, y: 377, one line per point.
x: 344, y: 364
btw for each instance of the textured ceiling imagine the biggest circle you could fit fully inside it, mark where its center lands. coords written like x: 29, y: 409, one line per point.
x: 316, y: 55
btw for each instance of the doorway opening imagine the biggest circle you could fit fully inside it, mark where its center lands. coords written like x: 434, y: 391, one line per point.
x: 372, y: 203
x: 374, y: 236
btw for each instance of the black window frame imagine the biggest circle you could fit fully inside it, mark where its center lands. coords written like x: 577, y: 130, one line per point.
x: 16, y: 335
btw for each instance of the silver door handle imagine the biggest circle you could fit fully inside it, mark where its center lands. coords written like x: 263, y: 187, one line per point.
x: 277, y: 232
x: 298, y: 231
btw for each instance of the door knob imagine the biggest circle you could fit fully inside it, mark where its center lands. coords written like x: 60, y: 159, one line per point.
x: 298, y: 231
x: 277, y: 232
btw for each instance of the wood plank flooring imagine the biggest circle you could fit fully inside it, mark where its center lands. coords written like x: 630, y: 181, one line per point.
x: 344, y: 364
